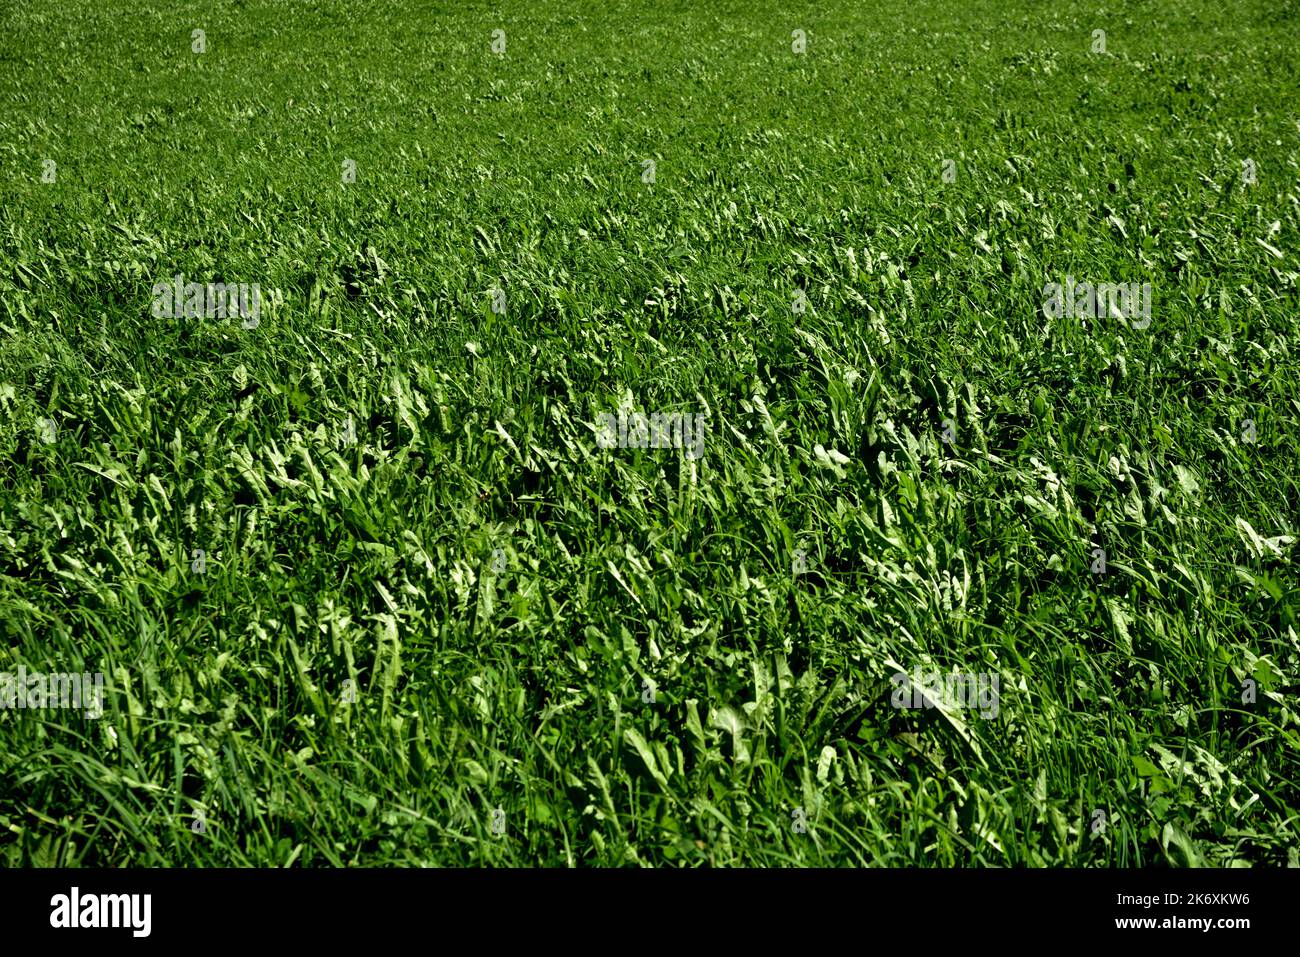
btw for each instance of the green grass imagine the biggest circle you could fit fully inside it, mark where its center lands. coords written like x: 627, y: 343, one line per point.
x: 628, y: 568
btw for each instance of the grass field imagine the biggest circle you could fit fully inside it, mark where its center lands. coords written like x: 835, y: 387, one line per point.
x: 369, y: 585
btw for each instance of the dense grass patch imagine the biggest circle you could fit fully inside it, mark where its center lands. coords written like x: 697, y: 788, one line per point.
x: 431, y: 607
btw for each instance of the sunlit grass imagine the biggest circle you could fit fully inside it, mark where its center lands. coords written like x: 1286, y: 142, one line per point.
x: 460, y: 602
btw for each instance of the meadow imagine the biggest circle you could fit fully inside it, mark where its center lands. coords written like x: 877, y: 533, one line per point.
x: 412, y: 569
